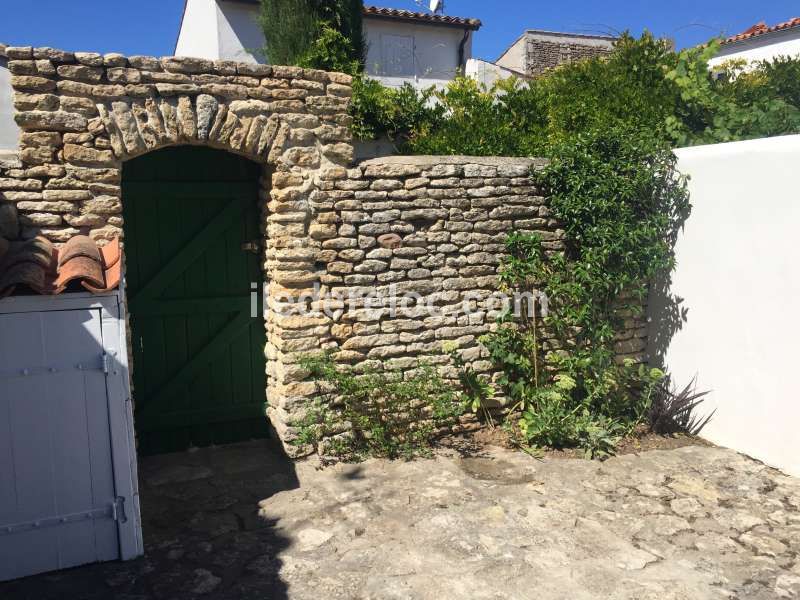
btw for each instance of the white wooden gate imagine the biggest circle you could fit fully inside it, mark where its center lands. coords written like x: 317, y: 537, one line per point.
x: 68, y: 483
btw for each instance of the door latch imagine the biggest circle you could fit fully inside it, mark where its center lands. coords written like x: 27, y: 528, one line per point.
x: 252, y: 247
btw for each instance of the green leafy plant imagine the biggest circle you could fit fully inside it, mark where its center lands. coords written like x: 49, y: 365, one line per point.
x: 620, y: 202
x: 331, y: 51
x: 319, y: 34
x: 475, y: 388
x: 380, y: 111
x: 643, y: 85
x: 390, y: 414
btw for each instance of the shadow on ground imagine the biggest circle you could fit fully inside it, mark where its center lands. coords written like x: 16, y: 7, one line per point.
x: 203, y: 533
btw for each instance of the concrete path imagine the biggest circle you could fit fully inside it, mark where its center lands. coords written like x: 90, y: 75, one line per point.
x: 694, y: 523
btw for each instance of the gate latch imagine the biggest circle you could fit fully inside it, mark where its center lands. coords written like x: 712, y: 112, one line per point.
x: 252, y: 247
x: 118, y: 510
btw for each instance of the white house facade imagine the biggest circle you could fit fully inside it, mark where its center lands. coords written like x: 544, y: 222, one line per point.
x: 762, y: 42
x: 9, y: 132
x: 403, y: 46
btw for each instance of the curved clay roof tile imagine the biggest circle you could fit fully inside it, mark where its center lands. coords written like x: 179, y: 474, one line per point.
x: 761, y: 29
x: 80, y: 245
x: 40, y: 267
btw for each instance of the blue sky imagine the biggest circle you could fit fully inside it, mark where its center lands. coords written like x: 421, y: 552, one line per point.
x: 150, y: 26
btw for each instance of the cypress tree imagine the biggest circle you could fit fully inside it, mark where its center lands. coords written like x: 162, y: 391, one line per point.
x: 322, y: 34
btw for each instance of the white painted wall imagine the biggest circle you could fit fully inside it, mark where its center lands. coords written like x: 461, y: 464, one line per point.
x: 225, y: 29
x: 765, y: 47
x: 240, y: 36
x: 487, y: 73
x: 739, y: 278
x: 198, y: 36
x: 9, y: 132
x: 515, y: 57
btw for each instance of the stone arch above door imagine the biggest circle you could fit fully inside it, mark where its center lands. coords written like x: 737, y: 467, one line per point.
x: 246, y: 127
x: 83, y: 114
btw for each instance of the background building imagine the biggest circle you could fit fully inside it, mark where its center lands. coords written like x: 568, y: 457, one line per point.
x: 9, y: 132
x: 403, y: 46
x: 762, y: 42
x: 535, y: 51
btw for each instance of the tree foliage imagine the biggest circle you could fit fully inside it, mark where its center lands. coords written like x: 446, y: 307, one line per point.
x: 643, y: 85
x: 318, y: 34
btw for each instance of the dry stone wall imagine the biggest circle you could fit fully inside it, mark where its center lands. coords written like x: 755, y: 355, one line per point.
x: 83, y: 114
x: 545, y: 52
x: 384, y: 261
x: 408, y: 250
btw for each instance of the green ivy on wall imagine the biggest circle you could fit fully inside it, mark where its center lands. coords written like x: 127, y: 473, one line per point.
x: 620, y: 201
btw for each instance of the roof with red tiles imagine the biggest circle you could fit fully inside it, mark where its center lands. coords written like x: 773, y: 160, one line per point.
x: 37, y: 266
x: 407, y: 15
x: 762, y: 28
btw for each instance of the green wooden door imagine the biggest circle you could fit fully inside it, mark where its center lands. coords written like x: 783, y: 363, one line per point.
x: 191, y: 215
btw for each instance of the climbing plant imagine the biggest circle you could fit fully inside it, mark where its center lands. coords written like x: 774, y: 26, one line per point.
x: 620, y: 201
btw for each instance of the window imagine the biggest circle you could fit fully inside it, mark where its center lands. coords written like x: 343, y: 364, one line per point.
x: 397, y: 55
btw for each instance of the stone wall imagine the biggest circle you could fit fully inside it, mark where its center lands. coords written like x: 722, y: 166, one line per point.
x: 82, y: 115
x: 383, y: 261
x: 428, y: 226
x: 545, y: 51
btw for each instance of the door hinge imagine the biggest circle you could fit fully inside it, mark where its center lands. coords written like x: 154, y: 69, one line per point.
x: 114, y: 511
x: 55, y: 369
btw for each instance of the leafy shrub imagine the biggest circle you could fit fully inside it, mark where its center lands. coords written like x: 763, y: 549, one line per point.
x: 331, y: 51
x: 643, y: 85
x: 475, y: 388
x: 377, y: 413
x: 728, y: 105
x: 620, y: 202
x: 393, y: 112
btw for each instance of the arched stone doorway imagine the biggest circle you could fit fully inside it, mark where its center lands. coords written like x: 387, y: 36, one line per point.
x: 193, y: 266
x: 84, y: 116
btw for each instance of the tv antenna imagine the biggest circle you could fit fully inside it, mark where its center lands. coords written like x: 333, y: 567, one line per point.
x: 434, y: 6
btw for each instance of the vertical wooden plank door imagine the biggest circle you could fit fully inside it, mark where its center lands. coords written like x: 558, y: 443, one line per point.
x: 191, y: 224
x: 58, y: 506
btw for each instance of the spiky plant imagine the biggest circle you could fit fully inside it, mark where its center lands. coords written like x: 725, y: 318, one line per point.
x: 673, y: 410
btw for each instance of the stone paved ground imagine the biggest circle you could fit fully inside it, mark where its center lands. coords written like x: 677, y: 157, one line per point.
x: 692, y: 523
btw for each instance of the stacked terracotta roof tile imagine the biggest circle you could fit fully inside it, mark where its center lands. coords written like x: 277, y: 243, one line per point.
x: 396, y: 13
x: 408, y: 15
x: 37, y: 266
x: 762, y: 28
